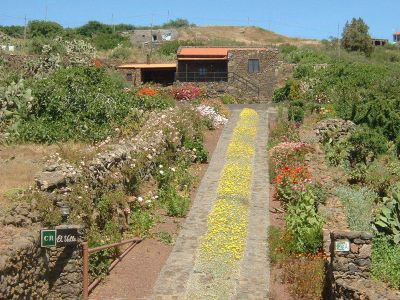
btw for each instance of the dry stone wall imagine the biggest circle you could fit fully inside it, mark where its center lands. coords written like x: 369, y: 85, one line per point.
x: 31, y: 272
x: 28, y: 271
x: 349, y: 271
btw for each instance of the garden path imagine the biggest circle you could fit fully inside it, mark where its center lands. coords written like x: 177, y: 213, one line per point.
x: 253, y: 281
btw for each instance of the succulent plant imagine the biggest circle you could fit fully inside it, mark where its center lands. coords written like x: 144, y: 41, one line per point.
x: 388, y: 220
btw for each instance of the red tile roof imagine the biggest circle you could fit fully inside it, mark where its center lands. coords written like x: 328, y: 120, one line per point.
x: 221, y: 53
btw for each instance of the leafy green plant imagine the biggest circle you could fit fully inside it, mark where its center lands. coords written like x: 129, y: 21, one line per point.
x: 176, y: 205
x: 303, y: 224
x: 388, y: 219
x: 141, y: 221
x: 366, y: 145
x: 296, y: 111
x: 281, y: 94
x: 165, y: 237
x: 360, y: 206
x: 106, y: 41
x: 198, y: 147
x: 386, y: 261
x: 382, y: 174
x: 79, y: 103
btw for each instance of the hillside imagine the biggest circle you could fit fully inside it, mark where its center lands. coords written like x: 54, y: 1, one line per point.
x: 240, y: 35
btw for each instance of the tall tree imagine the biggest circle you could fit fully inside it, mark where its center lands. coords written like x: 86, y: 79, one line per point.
x: 356, y: 37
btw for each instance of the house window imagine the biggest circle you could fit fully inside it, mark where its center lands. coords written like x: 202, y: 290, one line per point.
x: 254, y: 65
x: 154, y: 37
x: 129, y: 77
x: 203, y: 71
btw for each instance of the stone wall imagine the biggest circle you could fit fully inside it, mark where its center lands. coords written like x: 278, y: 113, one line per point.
x: 28, y: 271
x: 349, y: 271
x: 266, y: 78
x: 31, y: 272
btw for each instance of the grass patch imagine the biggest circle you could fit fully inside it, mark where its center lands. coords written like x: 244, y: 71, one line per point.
x: 360, y: 207
x: 386, y: 261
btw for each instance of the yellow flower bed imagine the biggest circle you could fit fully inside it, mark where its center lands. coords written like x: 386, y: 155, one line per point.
x: 223, y: 245
x: 227, y: 223
x: 235, y: 180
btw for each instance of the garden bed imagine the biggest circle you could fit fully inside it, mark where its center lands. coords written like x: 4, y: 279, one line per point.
x: 136, y: 276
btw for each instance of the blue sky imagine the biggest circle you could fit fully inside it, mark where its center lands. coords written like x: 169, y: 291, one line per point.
x: 300, y: 18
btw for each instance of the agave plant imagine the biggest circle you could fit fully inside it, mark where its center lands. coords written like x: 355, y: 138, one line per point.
x: 388, y: 220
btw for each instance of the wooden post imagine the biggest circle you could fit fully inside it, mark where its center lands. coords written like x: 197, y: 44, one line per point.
x: 85, y: 292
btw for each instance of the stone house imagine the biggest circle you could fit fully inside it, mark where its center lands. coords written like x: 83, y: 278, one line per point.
x: 148, y: 37
x: 251, y: 70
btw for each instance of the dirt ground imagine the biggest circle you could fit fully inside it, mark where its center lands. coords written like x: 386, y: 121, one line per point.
x: 248, y: 35
x: 136, y: 275
x: 18, y: 166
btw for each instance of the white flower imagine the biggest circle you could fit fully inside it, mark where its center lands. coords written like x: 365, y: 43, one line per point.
x: 148, y: 202
x: 161, y: 172
x: 173, y: 169
x: 160, y: 166
x: 140, y: 199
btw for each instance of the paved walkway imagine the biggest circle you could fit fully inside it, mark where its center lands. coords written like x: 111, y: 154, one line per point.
x: 254, y: 275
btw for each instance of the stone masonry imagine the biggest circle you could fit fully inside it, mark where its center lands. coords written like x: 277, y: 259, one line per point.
x: 31, y: 272
x: 349, y: 271
x: 266, y: 79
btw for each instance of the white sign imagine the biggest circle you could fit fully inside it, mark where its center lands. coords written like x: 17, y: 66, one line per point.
x: 342, y: 246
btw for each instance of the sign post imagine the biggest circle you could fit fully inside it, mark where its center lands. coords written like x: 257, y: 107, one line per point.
x: 58, y: 237
x: 342, y: 246
x: 48, y: 238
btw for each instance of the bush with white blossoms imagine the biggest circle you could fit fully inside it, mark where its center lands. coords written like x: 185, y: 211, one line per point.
x: 210, y: 113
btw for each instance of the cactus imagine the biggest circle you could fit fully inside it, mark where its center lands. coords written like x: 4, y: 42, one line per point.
x: 16, y: 104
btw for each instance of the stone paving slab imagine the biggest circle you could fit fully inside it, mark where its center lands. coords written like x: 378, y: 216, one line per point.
x: 171, y: 283
x: 254, y: 275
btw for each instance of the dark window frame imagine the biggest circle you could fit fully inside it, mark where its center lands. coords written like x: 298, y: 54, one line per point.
x: 253, y: 65
x: 203, y: 71
x: 129, y: 77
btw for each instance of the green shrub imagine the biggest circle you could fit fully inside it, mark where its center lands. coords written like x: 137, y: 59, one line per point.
x: 176, y: 205
x: 382, y: 174
x: 198, y: 147
x: 106, y: 41
x: 38, y: 28
x: 303, y: 224
x: 79, y: 103
x: 120, y: 52
x: 171, y: 47
x: 296, y: 113
x: 141, y: 221
x: 366, y: 145
x: 359, y: 205
x: 295, y: 92
x: 281, y: 94
x: 156, y: 102
x: 386, y: 261
x: 282, y: 131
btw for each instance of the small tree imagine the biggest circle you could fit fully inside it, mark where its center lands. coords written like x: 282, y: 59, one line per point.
x: 356, y: 37
x: 39, y: 28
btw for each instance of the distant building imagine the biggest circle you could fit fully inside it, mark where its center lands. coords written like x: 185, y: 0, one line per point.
x: 396, y: 37
x: 379, y: 42
x: 147, y: 37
